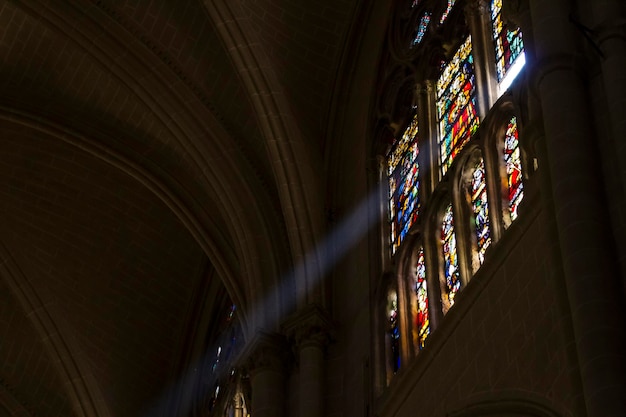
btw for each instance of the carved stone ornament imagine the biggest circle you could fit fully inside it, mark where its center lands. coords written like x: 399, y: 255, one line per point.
x: 267, y: 351
x: 478, y: 7
x: 312, y: 325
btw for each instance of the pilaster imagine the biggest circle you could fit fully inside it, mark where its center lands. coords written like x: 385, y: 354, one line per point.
x: 310, y: 330
x: 585, y: 238
x: 267, y: 360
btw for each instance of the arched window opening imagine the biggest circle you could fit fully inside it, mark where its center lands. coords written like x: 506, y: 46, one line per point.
x: 393, y: 330
x: 456, y: 104
x: 509, y: 48
x: 477, y: 192
x: 446, y: 12
x: 403, y: 177
x: 221, y: 367
x: 421, y: 314
x: 451, y: 284
x: 513, y: 164
x: 421, y: 29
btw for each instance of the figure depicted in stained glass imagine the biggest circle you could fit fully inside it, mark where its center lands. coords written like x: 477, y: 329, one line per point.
x: 394, y: 331
x: 421, y: 29
x: 452, y: 278
x: 456, y: 104
x: 509, y: 48
x: 478, y: 196
x: 403, y: 176
x: 513, y: 164
x: 445, y: 14
x: 422, y: 318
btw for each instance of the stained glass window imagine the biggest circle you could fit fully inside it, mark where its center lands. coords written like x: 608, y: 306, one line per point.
x: 422, y: 319
x: 456, y: 104
x: 394, y: 331
x: 421, y: 29
x: 480, y: 207
x: 403, y: 175
x: 445, y: 14
x: 510, y: 58
x: 513, y: 165
x: 452, y: 283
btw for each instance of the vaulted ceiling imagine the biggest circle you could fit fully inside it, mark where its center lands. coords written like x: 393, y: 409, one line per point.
x: 145, y: 149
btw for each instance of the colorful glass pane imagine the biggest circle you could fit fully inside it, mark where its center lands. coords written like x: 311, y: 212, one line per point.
x: 509, y: 48
x: 403, y: 176
x: 421, y: 29
x: 445, y: 14
x: 456, y: 104
x: 394, y: 332
x: 480, y: 207
x: 513, y: 165
x: 452, y: 283
x: 422, y: 319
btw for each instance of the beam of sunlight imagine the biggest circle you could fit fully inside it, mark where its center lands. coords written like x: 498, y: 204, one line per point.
x: 330, y: 250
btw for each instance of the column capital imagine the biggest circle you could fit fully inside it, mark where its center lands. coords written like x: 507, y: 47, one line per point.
x: 477, y: 7
x: 266, y: 351
x: 311, y: 325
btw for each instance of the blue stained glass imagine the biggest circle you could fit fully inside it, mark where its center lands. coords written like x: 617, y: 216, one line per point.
x: 403, y: 177
x: 480, y: 207
x: 456, y: 104
x: 421, y: 29
x: 452, y: 278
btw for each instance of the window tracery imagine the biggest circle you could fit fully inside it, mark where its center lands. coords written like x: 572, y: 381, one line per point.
x: 481, y: 196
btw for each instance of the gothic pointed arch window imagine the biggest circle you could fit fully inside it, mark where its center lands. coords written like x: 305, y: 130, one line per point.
x: 451, y: 275
x: 447, y: 11
x: 456, y: 104
x: 509, y: 48
x: 403, y: 177
x: 476, y: 196
x: 393, y: 330
x: 422, y: 26
x: 513, y: 166
x: 421, y: 309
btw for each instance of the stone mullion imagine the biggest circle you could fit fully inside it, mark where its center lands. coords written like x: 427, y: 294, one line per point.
x: 428, y: 139
x: 478, y: 15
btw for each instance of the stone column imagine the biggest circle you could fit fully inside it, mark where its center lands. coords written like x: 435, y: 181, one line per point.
x: 267, y: 363
x: 478, y: 15
x: 609, y: 35
x: 585, y: 238
x: 428, y: 144
x: 310, y: 331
